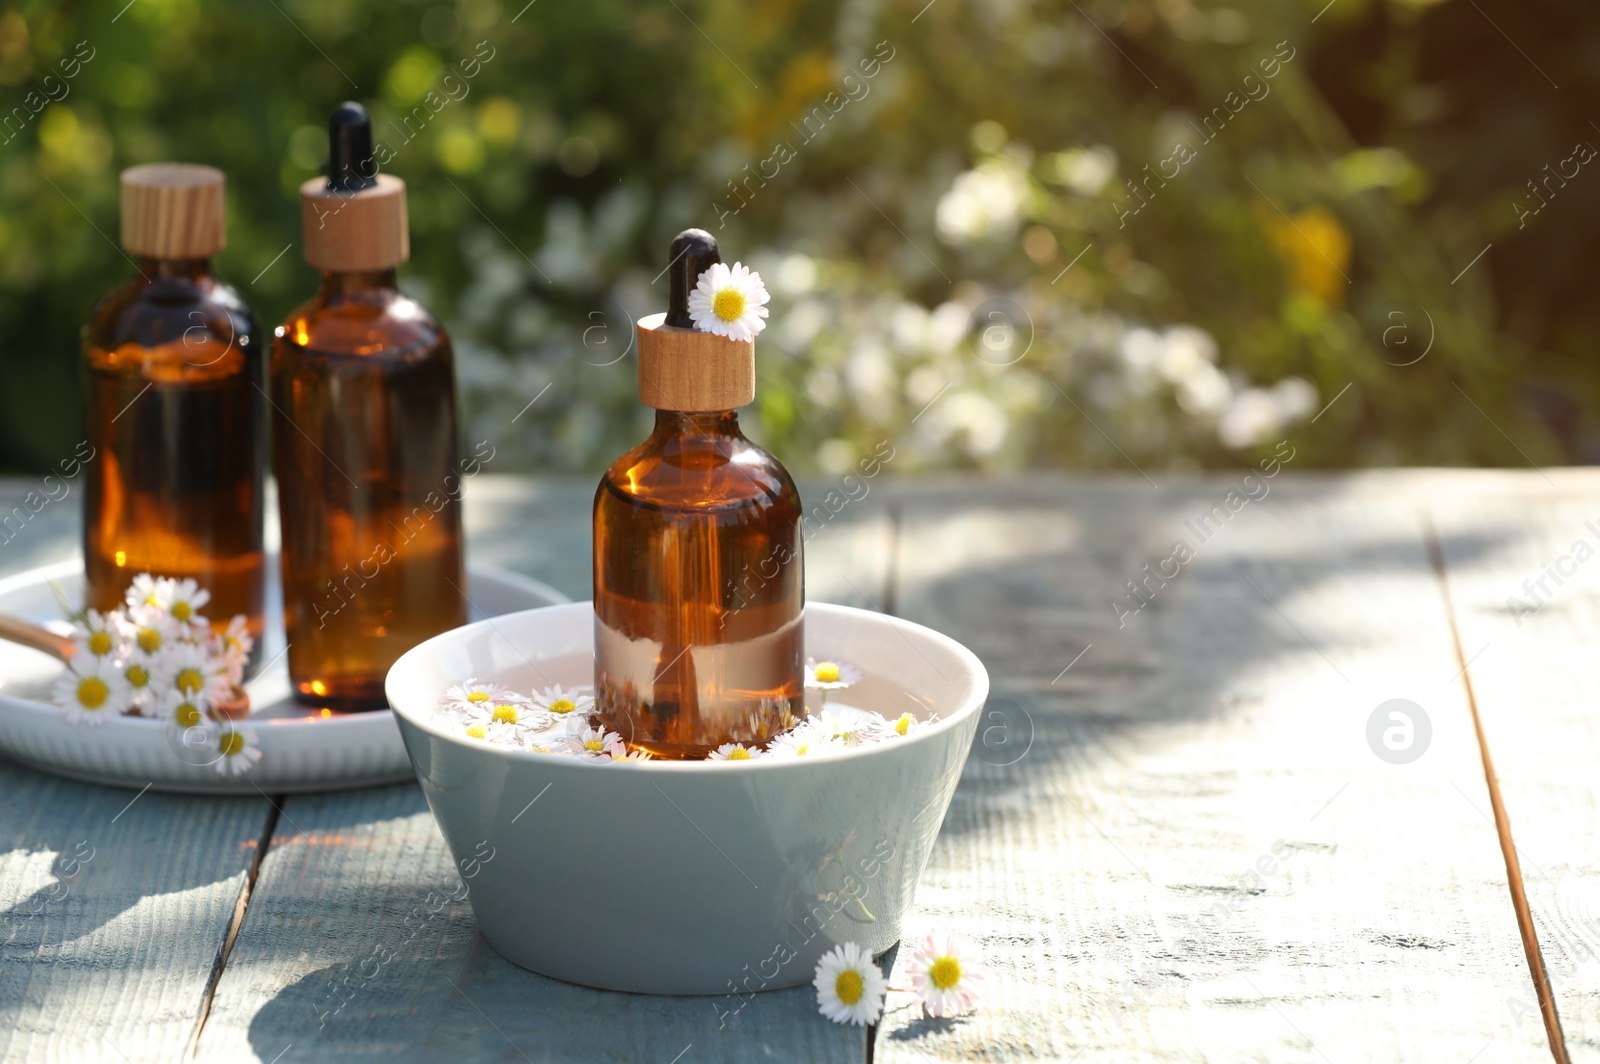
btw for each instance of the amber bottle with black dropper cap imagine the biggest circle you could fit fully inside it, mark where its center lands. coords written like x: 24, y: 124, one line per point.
x: 364, y: 440
x: 176, y: 441
x: 699, y: 583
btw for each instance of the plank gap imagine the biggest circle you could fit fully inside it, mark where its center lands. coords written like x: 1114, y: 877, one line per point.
x: 269, y: 825
x: 1502, y: 822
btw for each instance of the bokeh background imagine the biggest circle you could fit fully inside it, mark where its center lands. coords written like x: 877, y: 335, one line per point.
x: 992, y: 248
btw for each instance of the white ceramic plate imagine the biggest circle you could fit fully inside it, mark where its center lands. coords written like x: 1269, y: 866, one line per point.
x: 300, y: 749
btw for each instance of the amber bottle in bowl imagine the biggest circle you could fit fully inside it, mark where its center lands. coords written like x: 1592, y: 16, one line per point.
x: 699, y: 583
x: 174, y: 408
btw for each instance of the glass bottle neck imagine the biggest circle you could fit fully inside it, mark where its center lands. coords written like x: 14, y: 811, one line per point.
x: 155, y: 269
x: 356, y: 282
x: 683, y: 423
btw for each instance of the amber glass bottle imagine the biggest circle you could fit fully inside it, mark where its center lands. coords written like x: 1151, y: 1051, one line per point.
x: 699, y: 582
x: 364, y: 438
x: 174, y: 407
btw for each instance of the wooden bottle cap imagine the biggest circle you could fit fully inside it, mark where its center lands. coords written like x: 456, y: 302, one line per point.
x: 173, y: 211
x: 351, y: 231
x: 693, y: 371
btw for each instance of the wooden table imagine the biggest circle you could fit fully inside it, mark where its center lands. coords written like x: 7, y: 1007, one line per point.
x: 1174, y: 839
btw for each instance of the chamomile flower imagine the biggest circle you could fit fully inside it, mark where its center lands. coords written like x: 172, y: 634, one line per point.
x: 189, y: 669
x: 515, y: 713
x: 564, y: 702
x: 831, y: 675
x: 465, y: 696
x: 905, y: 724
x: 91, y: 690
x: 499, y: 733
x: 594, y: 743
x: 633, y: 755
x: 95, y: 634
x: 148, y: 590
x: 946, y: 974
x: 850, y: 988
x: 805, y: 741
x: 146, y: 632
x: 235, y: 646
x: 238, y: 750
x: 184, y: 600
x: 849, y: 727
x: 734, y: 752
x: 729, y: 301
x: 180, y: 710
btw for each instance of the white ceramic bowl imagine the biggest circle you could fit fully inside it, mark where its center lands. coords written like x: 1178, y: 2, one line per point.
x: 697, y: 877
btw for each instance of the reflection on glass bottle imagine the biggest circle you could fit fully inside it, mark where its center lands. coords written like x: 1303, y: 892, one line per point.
x: 174, y: 408
x: 698, y: 576
x: 364, y: 441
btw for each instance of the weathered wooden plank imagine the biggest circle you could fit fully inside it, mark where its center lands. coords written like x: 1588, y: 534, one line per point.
x: 1183, y: 847
x: 1523, y: 574
x: 114, y: 908
x: 328, y: 918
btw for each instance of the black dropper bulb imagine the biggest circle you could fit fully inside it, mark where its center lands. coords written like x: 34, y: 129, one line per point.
x: 692, y: 253
x: 350, y: 164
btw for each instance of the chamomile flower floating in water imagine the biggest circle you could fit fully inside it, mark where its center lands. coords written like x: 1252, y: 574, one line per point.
x: 490, y: 731
x: 807, y: 740
x: 734, y: 752
x: 237, y: 750
x: 946, y: 974
x: 517, y: 714
x: 831, y: 675
x: 466, y: 696
x: 729, y: 301
x: 594, y: 743
x: 850, y: 988
x: 905, y: 725
x: 564, y: 702
x: 849, y: 727
x: 91, y: 690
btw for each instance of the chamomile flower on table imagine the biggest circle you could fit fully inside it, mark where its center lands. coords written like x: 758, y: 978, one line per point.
x: 594, y: 743
x: 947, y: 974
x: 729, y: 301
x: 734, y: 752
x: 236, y: 644
x: 95, y: 634
x: 192, y: 670
x: 850, y: 988
x: 184, y: 599
x: 238, y: 750
x: 565, y: 703
x: 148, y: 590
x: 91, y: 690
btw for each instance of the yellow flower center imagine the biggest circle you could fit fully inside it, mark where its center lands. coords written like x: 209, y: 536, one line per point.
x: 478, y: 696
x: 563, y: 705
x: 738, y: 753
x: 505, y: 714
x: 827, y: 672
x: 802, y: 750
x: 187, y: 715
x: 945, y: 972
x: 93, y: 692
x: 850, y: 986
x: 594, y: 746
x: 137, y: 675
x: 477, y: 731
x: 149, y: 640
x: 728, y: 304
x: 99, y: 643
x: 190, y: 681
x: 231, y: 743
x: 182, y: 611
x: 903, y: 725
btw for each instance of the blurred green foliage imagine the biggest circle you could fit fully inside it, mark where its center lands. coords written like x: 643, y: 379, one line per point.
x: 957, y: 261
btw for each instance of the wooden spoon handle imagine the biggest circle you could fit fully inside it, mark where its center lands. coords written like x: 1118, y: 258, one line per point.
x: 17, y: 630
